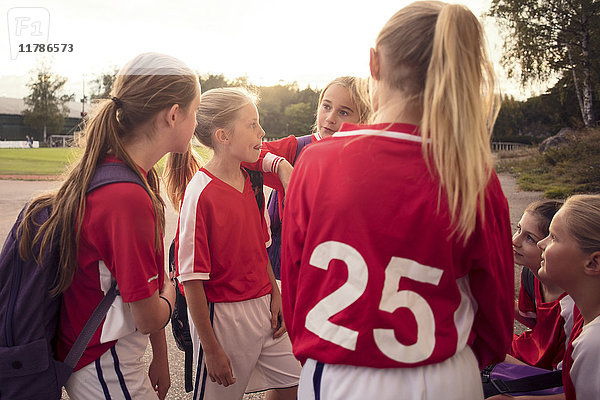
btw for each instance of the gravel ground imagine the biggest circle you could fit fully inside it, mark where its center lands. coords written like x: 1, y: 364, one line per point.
x: 15, y: 193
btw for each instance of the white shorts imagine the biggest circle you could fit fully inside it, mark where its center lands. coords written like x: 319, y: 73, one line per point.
x: 119, y: 373
x: 456, y: 378
x: 259, y: 362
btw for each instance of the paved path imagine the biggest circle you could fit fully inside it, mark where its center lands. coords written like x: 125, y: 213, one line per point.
x: 14, y: 194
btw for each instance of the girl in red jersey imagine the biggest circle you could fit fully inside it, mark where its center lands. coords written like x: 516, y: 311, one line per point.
x: 549, y: 313
x: 220, y: 250
x: 343, y: 100
x: 571, y: 259
x: 397, y: 264
x: 116, y: 231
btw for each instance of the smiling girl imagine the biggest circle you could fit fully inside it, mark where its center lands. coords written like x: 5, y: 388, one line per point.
x: 571, y: 258
x: 232, y: 296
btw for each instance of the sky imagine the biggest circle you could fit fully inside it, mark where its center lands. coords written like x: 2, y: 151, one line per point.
x: 268, y: 41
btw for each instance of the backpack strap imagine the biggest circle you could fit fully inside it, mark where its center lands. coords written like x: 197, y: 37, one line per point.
x: 302, y: 141
x: 256, y: 180
x: 90, y: 327
x: 106, y: 173
x: 528, y: 283
x: 527, y: 384
x: 114, y: 172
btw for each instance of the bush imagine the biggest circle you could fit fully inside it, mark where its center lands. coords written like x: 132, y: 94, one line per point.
x: 561, y: 171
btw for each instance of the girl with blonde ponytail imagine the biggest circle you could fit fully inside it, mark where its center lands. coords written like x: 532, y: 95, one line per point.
x: 115, y: 232
x: 397, y: 265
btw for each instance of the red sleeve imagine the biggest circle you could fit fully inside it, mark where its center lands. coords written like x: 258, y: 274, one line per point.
x: 492, y: 279
x: 192, y: 243
x: 527, y: 310
x: 125, y: 238
x: 270, y: 154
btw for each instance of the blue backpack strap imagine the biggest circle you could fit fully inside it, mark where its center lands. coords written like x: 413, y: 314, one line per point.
x: 90, y: 327
x: 113, y: 172
x: 302, y: 141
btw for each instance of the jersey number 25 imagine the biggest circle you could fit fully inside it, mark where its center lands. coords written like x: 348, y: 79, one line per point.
x: 317, y: 319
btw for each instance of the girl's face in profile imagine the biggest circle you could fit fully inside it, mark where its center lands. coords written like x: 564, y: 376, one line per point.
x: 245, y: 138
x: 335, y: 108
x: 562, y: 258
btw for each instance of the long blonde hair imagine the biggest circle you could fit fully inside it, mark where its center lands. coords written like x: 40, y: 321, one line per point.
x: 436, y: 56
x: 218, y: 109
x: 146, y: 85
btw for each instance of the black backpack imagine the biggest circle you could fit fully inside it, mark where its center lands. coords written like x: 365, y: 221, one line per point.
x: 29, y: 315
x: 180, y: 324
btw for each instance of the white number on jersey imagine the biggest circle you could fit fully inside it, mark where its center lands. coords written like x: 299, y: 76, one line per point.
x: 317, y: 319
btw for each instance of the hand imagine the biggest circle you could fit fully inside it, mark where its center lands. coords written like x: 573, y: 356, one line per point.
x: 284, y: 171
x: 219, y: 367
x: 277, y: 323
x: 159, y: 375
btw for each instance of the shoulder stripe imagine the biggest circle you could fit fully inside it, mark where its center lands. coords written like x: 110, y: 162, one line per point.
x: 187, y: 222
x: 389, y: 134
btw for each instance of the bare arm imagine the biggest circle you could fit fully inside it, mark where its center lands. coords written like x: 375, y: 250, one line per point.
x: 153, y: 313
x: 159, y: 367
x: 218, y: 364
x: 277, y: 323
x: 284, y: 171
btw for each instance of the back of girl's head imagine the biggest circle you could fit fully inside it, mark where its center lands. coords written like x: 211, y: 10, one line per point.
x: 433, y: 54
x: 149, y: 83
x: 582, y: 216
x: 218, y: 110
x: 359, y: 95
x: 543, y: 210
x: 146, y: 85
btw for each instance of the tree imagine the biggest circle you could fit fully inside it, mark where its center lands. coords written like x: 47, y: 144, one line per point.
x: 46, y: 108
x: 103, y: 84
x: 299, y: 118
x: 210, y: 81
x: 544, y: 38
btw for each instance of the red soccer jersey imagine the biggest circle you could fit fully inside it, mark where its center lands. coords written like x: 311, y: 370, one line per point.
x: 544, y: 345
x: 221, y: 240
x: 117, y: 241
x: 271, y: 154
x: 581, y: 375
x: 371, y: 274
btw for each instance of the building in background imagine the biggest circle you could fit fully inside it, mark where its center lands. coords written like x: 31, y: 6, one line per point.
x: 12, y: 127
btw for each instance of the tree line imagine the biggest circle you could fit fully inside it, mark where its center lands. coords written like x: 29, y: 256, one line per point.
x: 284, y: 109
x: 556, y: 40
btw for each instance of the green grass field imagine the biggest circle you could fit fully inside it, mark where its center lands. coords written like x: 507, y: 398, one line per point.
x: 50, y: 161
x: 44, y: 161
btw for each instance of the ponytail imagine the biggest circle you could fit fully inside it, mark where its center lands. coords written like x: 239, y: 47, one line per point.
x: 146, y: 85
x: 435, y: 56
x: 459, y: 110
x: 179, y: 170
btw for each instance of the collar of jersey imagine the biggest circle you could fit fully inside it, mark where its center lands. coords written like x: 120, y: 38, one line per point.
x: 396, y: 131
x: 113, y: 158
